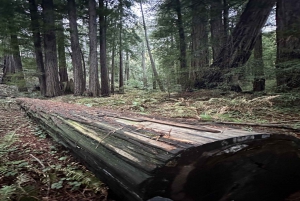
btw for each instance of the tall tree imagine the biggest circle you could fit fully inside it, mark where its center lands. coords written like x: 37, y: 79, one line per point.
x: 35, y: 28
x: 104, y: 70
x: 239, y: 45
x: 94, y: 86
x: 288, y: 43
x: 51, y: 67
x: 155, y: 73
x: 76, y: 52
x: 62, y: 64
x: 258, y: 66
x: 200, y: 52
x: 121, y: 73
x: 144, y: 66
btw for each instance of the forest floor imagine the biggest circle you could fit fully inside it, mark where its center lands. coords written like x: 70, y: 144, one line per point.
x: 34, y: 166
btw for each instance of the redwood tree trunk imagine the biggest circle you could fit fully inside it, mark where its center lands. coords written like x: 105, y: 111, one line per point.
x: 239, y: 45
x: 121, y: 73
x: 62, y: 64
x: 288, y: 43
x: 35, y: 27
x: 51, y: 67
x: 258, y: 67
x: 76, y: 54
x: 200, y: 52
x: 94, y: 86
x: 104, y: 71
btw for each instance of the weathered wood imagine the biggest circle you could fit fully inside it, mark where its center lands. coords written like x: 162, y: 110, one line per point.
x: 140, y: 158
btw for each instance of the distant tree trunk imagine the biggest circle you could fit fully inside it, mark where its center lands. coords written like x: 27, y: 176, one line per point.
x: 216, y: 27
x: 76, y: 54
x: 83, y: 67
x: 19, y: 77
x: 184, y: 74
x: 121, y: 73
x: 94, y: 85
x: 239, y: 45
x: 62, y: 64
x: 258, y: 68
x: 35, y: 27
x: 127, y: 67
x: 155, y: 74
x: 8, y: 68
x: 288, y: 43
x: 51, y: 66
x: 200, y: 52
x: 104, y: 70
x: 225, y: 21
x: 112, y: 81
x: 144, y: 67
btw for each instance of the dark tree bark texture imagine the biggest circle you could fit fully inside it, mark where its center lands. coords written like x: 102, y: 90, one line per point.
x: 76, y: 53
x: 62, y: 64
x: 51, y: 66
x: 140, y: 158
x: 94, y: 85
x: 288, y: 43
x: 104, y: 70
x: 37, y: 41
x: 258, y: 66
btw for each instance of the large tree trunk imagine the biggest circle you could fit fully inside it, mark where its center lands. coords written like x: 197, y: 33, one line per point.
x: 239, y: 45
x: 62, y: 64
x: 155, y: 73
x: 216, y: 27
x: 76, y: 53
x: 288, y: 43
x: 35, y: 27
x: 258, y: 66
x: 104, y: 70
x: 19, y: 75
x: 51, y: 66
x: 8, y: 69
x: 94, y: 85
x: 200, y: 52
x: 140, y: 157
x: 184, y: 74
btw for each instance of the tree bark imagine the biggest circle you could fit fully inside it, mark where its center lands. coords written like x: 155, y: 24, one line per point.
x: 76, y: 53
x: 200, y: 52
x: 184, y: 74
x: 216, y: 27
x: 288, y: 44
x: 144, y: 67
x: 127, y: 67
x: 140, y: 158
x: 94, y: 85
x: 19, y: 75
x: 51, y: 66
x: 104, y: 70
x: 112, y: 81
x: 258, y: 67
x: 62, y: 64
x: 239, y: 45
x: 35, y: 28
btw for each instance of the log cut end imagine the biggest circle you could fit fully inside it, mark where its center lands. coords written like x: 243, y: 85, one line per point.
x: 141, y: 158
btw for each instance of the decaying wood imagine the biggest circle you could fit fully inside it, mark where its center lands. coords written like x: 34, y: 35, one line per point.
x: 140, y: 158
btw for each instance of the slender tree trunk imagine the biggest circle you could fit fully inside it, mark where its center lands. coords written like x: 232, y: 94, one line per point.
x: 112, y: 85
x: 127, y: 67
x: 155, y: 74
x: 216, y: 27
x: 121, y: 73
x: 200, y: 52
x: 19, y: 77
x: 144, y: 67
x: 35, y: 27
x: 258, y: 68
x: 76, y: 54
x: 104, y: 70
x: 62, y: 64
x: 94, y: 85
x: 239, y: 45
x: 51, y: 66
x: 288, y: 43
x: 83, y: 67
x: 184, y: 74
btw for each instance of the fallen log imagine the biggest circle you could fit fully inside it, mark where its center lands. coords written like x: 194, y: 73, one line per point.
x: 140, y: 158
